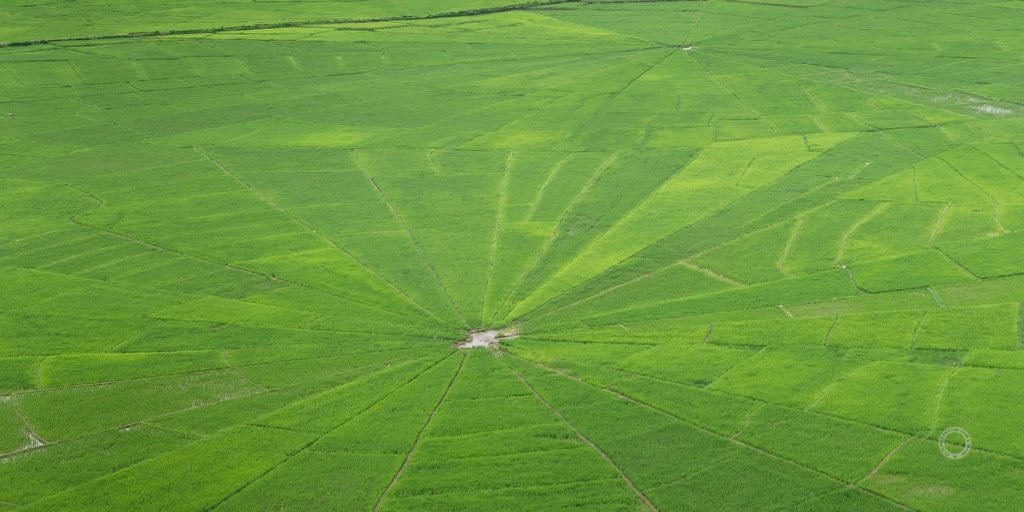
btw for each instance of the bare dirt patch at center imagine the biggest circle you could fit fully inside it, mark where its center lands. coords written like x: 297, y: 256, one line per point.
x: 487, y: 339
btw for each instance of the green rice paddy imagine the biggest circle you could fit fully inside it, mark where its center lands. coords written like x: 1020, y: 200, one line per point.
x: 759, y: 255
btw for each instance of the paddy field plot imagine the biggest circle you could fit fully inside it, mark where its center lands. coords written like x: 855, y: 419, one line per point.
x: 720, y: 255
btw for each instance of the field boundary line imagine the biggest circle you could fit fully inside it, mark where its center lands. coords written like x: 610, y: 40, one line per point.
x: 612, y: 97
x: 264, y: 390
x: 729, y: 394
x: 996, y: 203
x: 995, y: 200
x: 993, y: 159
x: 606, y: 291
x: 39, y: 371
x: 917, y: 187
x: 554, y: 410
x: 35, y: 441
x: 499, y: 222
x: 220, y: 264
x: 370, y: 370
x: 866, y: 128
x: 747, y: 419
x: 788, y: 248
x: 88, y: 385
x: 725, y: 438
x: 317, y: 438
x: 463, y: 458
x: 619, y: 221
x: 760, y: 116
x: 532, y: 487
x: 758, y: 354
x: 419, y: 435
x: 669, y: 236
x: 855, y: 284
x: 739, y: 179
x: 291, y: 24
x: 718, y: 392
x: 757, y: 221
x: 236, y: 371
x: 868, y: 217
x: 301, y: 222
x: 199, y: 437
x: 940, y: 223
x: 712, y: 274
x: 958, y: 264
x: 658, y: 270
x: 548, y: 339
x: 816, y: 78
x: 831, y: 327
x: 604, y: 67
x: 878, y: 467
x: 539, y: 256
x: 327, y: 358
x: 555, y: 169
x: 726, y: 459
x: 700, y: 17
x: 609, y: 318
x: 439, y: 122
x: 939, y: 397
x: 415, y: 242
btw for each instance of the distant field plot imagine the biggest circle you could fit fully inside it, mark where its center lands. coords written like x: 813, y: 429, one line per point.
x: 725, y: 255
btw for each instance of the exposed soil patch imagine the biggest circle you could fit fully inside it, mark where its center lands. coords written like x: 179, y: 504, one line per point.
x: 996, y: 111
x: 487, y: 339
x: 33, y: 441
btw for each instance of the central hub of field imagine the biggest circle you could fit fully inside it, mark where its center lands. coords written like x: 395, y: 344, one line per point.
x: 487, y: 339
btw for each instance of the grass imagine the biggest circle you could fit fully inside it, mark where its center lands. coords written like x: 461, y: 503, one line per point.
x: 758, y: 254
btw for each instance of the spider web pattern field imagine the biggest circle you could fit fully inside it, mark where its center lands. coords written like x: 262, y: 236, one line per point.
x: 756, y: 255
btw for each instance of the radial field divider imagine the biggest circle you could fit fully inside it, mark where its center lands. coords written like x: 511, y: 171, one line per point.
x: 199, y: 257
x: 718, y: 435
x: 324, y: 434
x: 585, y: 440
x: 419, y: 436
x: 416, y: 243
x: 551, y: 240
x: 298, y: 220
x: 499, y: 221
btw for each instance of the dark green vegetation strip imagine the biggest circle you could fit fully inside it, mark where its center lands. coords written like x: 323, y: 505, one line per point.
x: 294, y: 24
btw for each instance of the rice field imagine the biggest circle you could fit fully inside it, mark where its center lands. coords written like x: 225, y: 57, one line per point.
x: 722, y: 255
